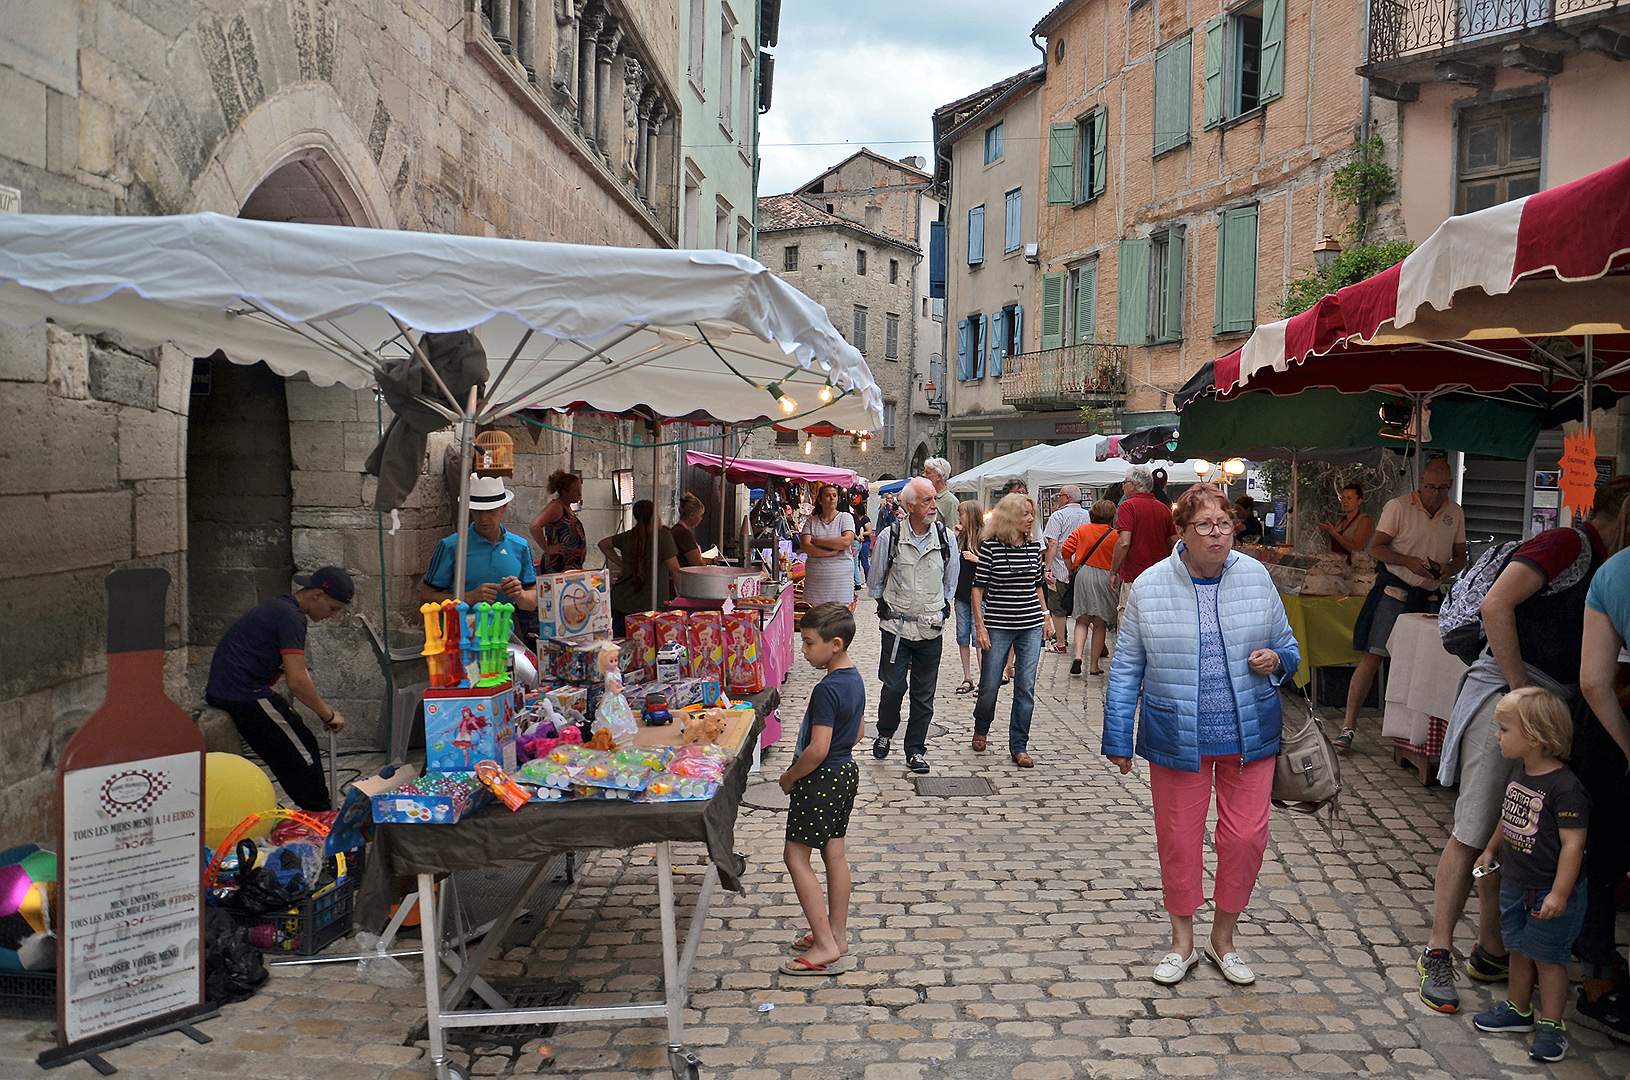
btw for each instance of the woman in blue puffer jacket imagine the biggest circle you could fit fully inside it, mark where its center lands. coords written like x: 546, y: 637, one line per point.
x: 1205, y: 643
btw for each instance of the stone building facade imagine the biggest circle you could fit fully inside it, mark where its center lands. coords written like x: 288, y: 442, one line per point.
x: 854, y: 239
x: 1186, y: 174
x: 537, y: 119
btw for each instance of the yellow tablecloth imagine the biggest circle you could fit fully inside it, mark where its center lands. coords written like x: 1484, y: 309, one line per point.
x: 1323, y: 626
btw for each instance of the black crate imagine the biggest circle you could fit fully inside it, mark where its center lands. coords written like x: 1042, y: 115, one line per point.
x: 28, y: 995
x: 307, y: 928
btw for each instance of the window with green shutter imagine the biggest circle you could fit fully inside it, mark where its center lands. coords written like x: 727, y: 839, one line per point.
x: 1166, y: 285
x: 1083, y: 303
x: 1236, y: 270
x: 1132, y: 293
x: 1052, y: 311
x: 1174, y: 98
x: 1091, y: 155
x: 1060, y: 163
x: 1244, y: 60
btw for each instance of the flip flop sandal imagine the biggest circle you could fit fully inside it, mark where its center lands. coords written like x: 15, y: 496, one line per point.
x: 800, y: 966
x: 967, y: 687
x: 803, y: 943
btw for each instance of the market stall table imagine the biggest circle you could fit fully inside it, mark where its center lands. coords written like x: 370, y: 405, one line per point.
x: 535, y: 835
x: 1420, y: 692
x: 779, y: 632
x: 1323, y: 626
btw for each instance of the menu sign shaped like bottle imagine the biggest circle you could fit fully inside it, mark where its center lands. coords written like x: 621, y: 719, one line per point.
x: 130, y: 836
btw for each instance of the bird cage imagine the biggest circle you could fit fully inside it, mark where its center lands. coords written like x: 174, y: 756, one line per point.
x: 494, y: 454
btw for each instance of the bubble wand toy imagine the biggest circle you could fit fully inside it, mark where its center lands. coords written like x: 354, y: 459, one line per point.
x: 435, y: 644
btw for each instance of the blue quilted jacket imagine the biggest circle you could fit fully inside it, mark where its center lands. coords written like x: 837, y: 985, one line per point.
x: 1158, y: 656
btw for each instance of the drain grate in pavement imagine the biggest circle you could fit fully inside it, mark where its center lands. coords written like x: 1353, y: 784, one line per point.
x: 521, y: 994
x: 951, y: 787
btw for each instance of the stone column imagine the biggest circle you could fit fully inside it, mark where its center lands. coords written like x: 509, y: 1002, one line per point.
x: 563, y: 76
x: 611, y: 36
x: 642, y: 147
x: 526, y: 35
x: 659, y: 113
x: 630, y: 136
x: 588, y: 33
x: 501, y: 31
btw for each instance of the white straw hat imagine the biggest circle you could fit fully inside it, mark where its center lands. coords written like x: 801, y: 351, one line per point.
x: 488, y: 493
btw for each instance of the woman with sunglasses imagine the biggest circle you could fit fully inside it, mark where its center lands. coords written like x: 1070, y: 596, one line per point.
x: 1205, y: 643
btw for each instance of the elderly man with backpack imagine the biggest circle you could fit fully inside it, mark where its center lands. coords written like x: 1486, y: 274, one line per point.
x: 913, y: 579
x: 1531, y: 616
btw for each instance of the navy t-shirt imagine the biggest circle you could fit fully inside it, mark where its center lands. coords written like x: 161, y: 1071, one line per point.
x: 838, y: 702
x: 249, y: 658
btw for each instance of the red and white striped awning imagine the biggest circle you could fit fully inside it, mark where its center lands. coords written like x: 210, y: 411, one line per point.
x: 1470, y: 307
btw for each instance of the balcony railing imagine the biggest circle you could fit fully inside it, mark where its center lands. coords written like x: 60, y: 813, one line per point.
x: 1075, y: 375
x: 1401, y: 29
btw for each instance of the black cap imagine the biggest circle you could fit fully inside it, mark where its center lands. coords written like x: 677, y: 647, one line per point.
x: 331, y: 580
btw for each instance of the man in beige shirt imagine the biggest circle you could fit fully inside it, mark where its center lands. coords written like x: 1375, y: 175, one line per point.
x: 937, y: 471
x: 1419, y: 543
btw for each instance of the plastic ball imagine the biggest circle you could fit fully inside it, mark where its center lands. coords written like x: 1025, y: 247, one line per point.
x: 234, y: 788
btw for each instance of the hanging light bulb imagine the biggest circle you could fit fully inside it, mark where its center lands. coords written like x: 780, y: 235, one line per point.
x: 788, y: 406
x: 1234, y: 467
x: 864, y: 443
x: 826, y: 393
x: 809, y: 446
x: 1201, y: 466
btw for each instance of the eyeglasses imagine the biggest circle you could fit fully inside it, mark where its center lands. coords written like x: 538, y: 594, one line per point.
x: 1435, y: 487
x: 1211, y: 528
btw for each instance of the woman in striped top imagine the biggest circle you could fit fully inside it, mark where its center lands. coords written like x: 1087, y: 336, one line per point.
x: 1009, y: 608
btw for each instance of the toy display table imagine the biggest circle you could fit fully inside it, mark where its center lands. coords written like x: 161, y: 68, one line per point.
x: 780, y: 634
x: 534, y: 836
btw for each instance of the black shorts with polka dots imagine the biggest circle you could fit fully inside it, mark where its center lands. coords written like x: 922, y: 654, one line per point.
x: 820, y: 804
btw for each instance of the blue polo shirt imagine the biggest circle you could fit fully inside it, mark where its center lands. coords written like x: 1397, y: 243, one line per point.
x: 485, y: 563
x: 249, y: 659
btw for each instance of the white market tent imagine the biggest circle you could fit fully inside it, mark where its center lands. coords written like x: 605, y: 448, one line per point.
x: 702, y: 335
x: 1044, y: 466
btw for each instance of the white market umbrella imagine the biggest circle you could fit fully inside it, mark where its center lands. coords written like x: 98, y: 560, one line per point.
x: 705, y: 335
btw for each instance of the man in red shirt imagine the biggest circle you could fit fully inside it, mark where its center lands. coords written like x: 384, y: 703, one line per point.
x: 1146, y: 528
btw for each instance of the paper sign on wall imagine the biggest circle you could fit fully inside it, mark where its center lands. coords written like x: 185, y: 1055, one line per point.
x: 1578, y: 481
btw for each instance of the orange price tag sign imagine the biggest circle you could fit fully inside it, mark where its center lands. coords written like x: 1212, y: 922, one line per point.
x: 1578, y: 480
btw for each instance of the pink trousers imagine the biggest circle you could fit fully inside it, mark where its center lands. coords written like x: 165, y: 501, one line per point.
x: 1181, y: 801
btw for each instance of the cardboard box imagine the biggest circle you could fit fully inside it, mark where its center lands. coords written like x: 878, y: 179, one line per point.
x: 434, y: 799
x: 642, y: 637
x: 704, y: 641
x: 462, y: 727
x: 671, y: 628
x: 744, y: 653
x: 350, y: 827
x: 574, y: 605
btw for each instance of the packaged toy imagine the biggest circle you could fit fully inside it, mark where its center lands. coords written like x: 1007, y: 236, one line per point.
x: 704, y: 641
x: 576, y: 604
x: 744, y: 652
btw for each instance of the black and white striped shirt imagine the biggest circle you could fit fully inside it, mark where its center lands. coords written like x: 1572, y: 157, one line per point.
x: 1010, y: 576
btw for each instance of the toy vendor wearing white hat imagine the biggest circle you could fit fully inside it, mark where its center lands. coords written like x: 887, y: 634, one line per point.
x: 498, y: 565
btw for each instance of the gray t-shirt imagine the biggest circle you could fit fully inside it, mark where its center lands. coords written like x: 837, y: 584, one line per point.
x: 1065, y: 520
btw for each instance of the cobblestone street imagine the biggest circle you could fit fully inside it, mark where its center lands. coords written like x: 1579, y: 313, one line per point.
x: 1009, y: 935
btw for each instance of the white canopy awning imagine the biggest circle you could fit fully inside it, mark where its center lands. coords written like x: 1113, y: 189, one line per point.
x: 1044, y: 466
x: 702, y: 334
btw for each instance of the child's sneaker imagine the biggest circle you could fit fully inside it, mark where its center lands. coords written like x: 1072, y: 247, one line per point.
x: 1505, y: 1017
x: 1486, y: 967
x: 1550, y: 1041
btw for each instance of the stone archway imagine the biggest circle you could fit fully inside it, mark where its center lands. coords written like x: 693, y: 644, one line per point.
x: 917, y: 459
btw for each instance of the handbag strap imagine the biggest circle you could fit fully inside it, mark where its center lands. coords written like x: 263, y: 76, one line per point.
x: 1101, y: 538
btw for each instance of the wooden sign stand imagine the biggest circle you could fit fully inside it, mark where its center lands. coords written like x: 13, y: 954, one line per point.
x: 130, y: 828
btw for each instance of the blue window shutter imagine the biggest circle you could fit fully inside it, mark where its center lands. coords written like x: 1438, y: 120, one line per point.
x: 964, y: 370
x: 1132, y: 293
x: 1100, y: 152
x: 936, y: 260
x: 976, y: 236
x: 1214, y: 71
x: 998, y: 325
x: 981, y: 325
x: 1015, y: 333
x: 1015, y: 217
x: 1273, y: 49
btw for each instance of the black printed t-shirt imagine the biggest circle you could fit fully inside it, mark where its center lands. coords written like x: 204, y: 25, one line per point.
x: 838, y: 702
x: 1532, y: 814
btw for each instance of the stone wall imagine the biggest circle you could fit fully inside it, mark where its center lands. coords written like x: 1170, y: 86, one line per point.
x: 361, y: 114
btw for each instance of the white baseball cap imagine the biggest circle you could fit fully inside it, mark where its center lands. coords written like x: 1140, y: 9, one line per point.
x: 488, y: 493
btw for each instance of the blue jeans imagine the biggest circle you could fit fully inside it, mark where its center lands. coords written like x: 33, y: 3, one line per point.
x: 1026, y: 648
x: 964, y: 621
x: 920, y: 660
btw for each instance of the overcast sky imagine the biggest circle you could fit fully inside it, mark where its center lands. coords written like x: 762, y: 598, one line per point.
x: 853, y: 73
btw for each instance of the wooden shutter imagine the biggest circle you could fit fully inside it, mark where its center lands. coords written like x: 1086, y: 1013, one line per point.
x: 1060, y: 163
x: 964, y: 371
x: 1015, y: 331
x: 1132, y: 293
x: 1214, y: 71
x: 980, y: 325
x: 1086, y: 303
x: 1273, y: 50
x: 1173, y: 96
x: 1171, y: 322
x: 1014, y: 207
x: 1052, y: 311
x: 976, y: 236
x: 1236, y: 270
x: 1100, y: 153
x: 998, y: 323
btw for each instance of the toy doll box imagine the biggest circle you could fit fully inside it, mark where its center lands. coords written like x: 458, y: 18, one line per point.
x: 462, y: 727
x: 574, y: 605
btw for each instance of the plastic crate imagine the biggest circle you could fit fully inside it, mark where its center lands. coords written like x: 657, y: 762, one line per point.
x: 307, y: 928
x: 28, y: 995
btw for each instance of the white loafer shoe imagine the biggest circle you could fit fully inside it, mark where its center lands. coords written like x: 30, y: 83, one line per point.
x: 1173, y: 967
x: 1233, y: 969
